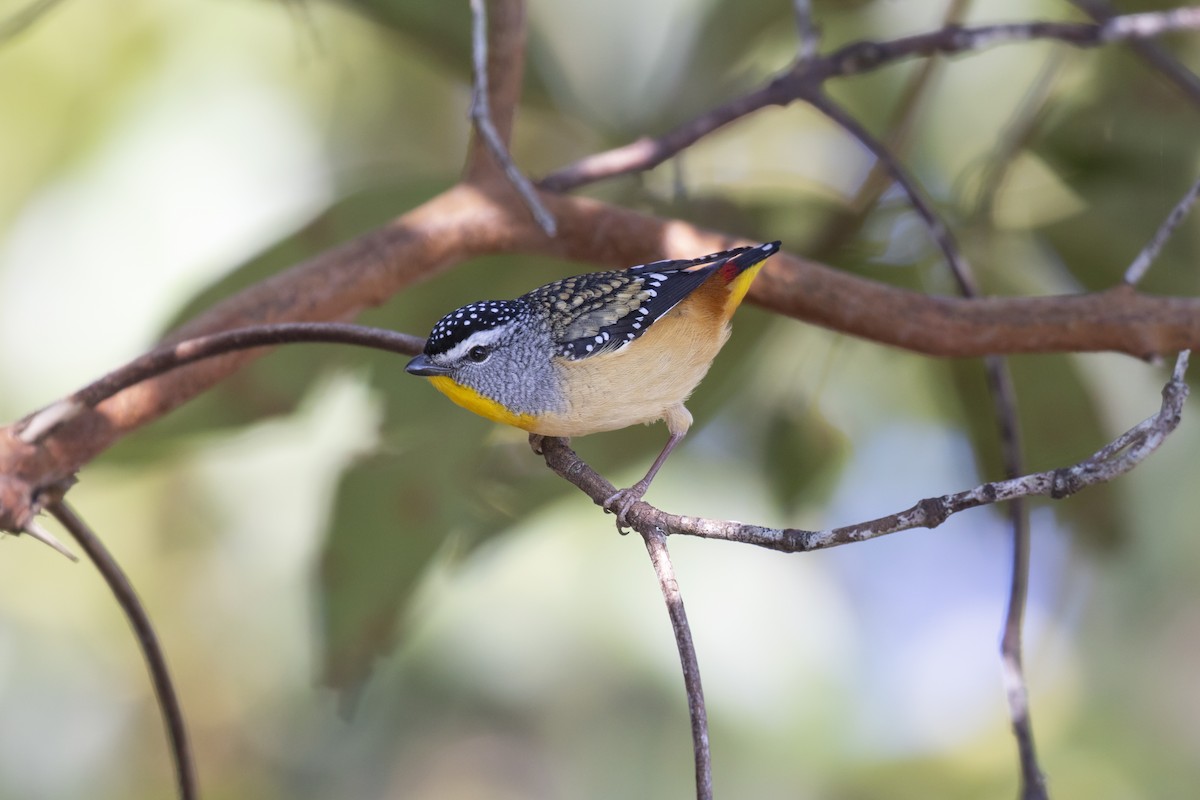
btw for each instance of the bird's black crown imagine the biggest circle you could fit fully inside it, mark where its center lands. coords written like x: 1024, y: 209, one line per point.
x: 456, y: 326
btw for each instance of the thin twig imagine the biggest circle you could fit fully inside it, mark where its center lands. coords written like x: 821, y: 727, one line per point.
x: 804, y: 77
x: 938, y: 229
x: 656, y: 546
x: 481, y: 115
x: 1113, y: 460
x: 899, y: 128
x: 1150, y: 252
x: 1149, y: 51
x: 1004, y: 399
x: 1016, y: 136
x: 1003, y: 396
x: 118, y: 582
x: 810, y: 35
x: 172, y: 356
x: 20, y: 21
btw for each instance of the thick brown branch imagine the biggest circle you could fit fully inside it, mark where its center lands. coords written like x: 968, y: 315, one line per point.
x: 469, y: 220
x: 1003, y: 395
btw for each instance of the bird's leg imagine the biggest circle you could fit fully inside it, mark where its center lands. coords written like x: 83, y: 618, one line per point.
x: 622, y: 500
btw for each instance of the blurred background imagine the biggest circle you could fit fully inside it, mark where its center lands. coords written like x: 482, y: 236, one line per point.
x: 365, y: 592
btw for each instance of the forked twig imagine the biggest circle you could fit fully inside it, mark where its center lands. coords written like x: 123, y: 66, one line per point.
x: 805, y: 77
x: 481, y: 115
x: 1109, y: 462
x: 156, y: 662
x: 1004, y: 401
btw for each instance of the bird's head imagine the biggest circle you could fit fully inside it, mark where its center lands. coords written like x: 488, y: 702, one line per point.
x: 493, y: 358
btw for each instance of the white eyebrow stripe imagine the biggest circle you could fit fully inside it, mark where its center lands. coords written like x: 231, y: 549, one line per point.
x: 477, y: 339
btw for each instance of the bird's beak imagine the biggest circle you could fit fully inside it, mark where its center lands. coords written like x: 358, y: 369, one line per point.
x: 425, y: 368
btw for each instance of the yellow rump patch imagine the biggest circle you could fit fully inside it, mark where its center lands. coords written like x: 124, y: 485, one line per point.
x: 739, y: 287
x: 485, y: 407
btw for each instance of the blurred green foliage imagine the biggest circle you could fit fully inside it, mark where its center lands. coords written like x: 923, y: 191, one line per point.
x: 481, y: 625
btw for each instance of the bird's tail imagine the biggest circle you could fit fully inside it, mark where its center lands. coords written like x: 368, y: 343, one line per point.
x: 740, y: 270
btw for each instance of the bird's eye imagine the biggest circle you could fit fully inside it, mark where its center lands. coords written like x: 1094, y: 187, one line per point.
x: 479, y: 353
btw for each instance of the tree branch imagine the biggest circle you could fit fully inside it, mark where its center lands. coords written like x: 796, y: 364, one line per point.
x: 656, y: 546
x: 805, y: 76
x: 1149, y: 51
x: 173, y: 356
x: 467, y: 220
x: 1150, y: 252
x: 156, y: 662
x: 1111, y: 461
x: 1003, y: 395
x: 481, y: 115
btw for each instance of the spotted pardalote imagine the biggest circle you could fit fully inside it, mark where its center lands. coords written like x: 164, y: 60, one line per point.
x: 594, y: 352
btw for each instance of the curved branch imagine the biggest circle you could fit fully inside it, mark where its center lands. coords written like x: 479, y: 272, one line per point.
x: 806, y: 75
x: 1111, y: 461
x: 470, y: 220
x: 1004, y: 403
x: 173, y: 356
x: 156, y: 662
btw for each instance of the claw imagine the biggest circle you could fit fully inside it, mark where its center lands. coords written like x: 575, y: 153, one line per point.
x: 622, y: 500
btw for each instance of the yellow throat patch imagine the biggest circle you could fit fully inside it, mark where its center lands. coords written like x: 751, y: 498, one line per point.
x: 485, y: 407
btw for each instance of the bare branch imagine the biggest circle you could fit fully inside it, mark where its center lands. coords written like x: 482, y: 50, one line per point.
x: 937, y: 228
x: 1150, y: 252
x: 465, y: 221
x: 1150, y: 51
x: 481, y: 115
x: 172, y: 356
x: 1004, y: 399
x: 810, y: 35
x: 1016, y: 135
x: 804, y: 77
x: 22, y: 20
x: 656, y: 546
x: 1113, y: 460
x: 650, y: 151
x: 156, y: 662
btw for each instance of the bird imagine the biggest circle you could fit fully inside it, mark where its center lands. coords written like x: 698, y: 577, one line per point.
x: 595, y: 352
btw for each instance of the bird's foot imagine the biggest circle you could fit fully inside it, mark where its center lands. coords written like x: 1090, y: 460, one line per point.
x: 622, y: 500
x: 535, y: 443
